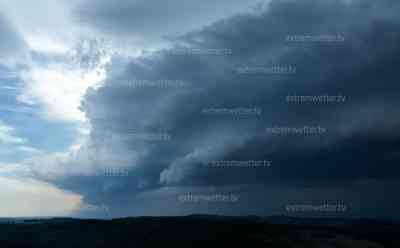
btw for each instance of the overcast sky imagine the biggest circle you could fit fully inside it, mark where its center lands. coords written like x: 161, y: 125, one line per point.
x: 145, y: 107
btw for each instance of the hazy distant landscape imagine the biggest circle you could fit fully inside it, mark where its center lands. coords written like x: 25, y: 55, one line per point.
x: 202, y: 231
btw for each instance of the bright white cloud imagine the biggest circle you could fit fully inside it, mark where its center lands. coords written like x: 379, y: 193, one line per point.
x: 59, y: 87
x: 58, y: 83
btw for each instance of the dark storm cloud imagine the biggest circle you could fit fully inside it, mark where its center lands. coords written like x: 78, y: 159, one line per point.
x: 146, y: 21
x: 360, y: 142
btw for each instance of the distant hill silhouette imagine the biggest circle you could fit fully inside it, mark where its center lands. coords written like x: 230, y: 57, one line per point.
x: 200, y: 231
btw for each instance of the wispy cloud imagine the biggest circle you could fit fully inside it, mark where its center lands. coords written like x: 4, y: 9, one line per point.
x: 8, y: 135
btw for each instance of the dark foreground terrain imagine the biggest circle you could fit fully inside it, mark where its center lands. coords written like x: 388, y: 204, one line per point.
x: 200, y: 231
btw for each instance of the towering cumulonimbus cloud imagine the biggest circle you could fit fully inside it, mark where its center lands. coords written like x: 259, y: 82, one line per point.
x: 166, y: 136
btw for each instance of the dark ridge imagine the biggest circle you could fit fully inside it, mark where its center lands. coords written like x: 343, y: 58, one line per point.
x: 200, y: 231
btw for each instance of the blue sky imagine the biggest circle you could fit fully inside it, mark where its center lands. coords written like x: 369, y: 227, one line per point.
x: 29, y: 126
